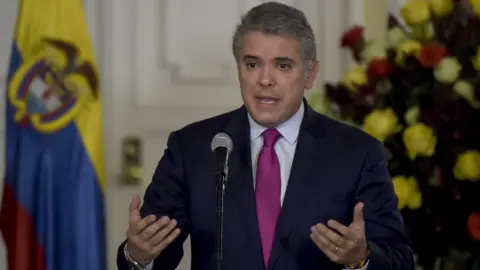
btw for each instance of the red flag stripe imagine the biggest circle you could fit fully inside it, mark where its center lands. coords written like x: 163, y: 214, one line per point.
x: 16, y: 225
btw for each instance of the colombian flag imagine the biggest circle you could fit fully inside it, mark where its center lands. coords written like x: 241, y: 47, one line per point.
x: 52, y: 214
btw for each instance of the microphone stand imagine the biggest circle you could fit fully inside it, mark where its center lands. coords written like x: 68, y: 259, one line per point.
x: 220, y: 182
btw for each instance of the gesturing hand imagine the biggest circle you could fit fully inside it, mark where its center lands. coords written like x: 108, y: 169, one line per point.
x: 343, y: 245
x: 148, y: 237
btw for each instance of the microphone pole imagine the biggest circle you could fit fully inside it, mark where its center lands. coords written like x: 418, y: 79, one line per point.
x: 221, y: 146
x: 220, y: 182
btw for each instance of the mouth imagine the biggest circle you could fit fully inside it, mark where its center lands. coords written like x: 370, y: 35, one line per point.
x: 267, y: 100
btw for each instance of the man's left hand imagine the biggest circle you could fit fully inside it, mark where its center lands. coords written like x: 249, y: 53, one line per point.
x: 343, y: 245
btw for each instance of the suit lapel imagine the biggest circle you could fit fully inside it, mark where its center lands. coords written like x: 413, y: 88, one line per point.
x: 311, y: 152
x: 240, y: 183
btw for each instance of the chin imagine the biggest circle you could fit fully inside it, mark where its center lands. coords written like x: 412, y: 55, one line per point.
x: 266, y: 120
x: 267, y: 116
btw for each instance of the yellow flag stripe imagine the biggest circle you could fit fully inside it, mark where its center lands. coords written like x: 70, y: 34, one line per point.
x: 66, y: 20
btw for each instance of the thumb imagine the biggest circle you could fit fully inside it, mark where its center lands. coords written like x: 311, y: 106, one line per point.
x: 358, y: 213
x: 135, y: 207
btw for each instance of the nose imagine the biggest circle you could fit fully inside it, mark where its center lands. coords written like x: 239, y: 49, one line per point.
x: 266, y: 78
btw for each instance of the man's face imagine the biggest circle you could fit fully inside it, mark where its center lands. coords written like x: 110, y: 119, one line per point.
x: 272, y: 77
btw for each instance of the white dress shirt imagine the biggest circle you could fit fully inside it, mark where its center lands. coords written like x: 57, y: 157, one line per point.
x: 284, y: 147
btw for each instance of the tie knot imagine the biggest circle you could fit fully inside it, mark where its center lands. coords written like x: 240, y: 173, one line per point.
x: 270, y: 137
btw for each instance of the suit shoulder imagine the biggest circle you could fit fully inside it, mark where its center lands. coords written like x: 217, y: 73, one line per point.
x: 207, y: 127
x: 214, y: 121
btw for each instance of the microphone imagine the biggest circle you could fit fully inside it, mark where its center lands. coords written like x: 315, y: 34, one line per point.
x: 222, y: 146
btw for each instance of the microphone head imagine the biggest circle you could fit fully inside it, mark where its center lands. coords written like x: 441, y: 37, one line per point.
x: 222, y: 140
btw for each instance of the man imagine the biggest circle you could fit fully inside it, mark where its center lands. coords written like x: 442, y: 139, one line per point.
x: 304, y: 191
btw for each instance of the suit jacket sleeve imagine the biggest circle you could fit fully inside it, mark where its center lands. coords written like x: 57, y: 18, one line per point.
x: 390, y: 248
x: 166, y: 196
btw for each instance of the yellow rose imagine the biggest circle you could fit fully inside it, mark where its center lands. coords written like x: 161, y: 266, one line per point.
x: 419, y: 140
x: 373, y: 50
x: 407, y: 192
x: 415, y: 200
x: 423, y: 32
x: 381, y: 123
x: 475, y: 6
x: 466, y: 90
x: 441, y: 8
x: 448, y: 70
x: 407, y: 48
x: 356, y: 77
x: 415, y: 12
x: 411, y: 116
x: 395, y: 36
x: 467, y: 166
x: 317, y: 101
x: 476, y: 59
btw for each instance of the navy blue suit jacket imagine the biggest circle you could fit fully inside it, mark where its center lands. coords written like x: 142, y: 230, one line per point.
x: 335, y: 166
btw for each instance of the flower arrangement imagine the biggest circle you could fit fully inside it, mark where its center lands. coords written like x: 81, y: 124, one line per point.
x: 418, y: 92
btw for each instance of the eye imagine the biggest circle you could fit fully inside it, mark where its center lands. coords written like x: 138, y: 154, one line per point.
x: 251, y: 65
x: 284, y: 66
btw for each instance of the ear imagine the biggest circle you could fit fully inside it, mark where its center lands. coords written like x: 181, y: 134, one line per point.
x: 311, y: 74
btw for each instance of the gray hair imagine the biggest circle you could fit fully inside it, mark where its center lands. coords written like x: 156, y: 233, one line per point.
x: 281, y: 20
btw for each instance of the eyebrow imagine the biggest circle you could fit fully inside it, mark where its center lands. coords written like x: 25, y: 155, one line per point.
x: 278, y: 59
x: 284, y: 59
x: 250, y: 57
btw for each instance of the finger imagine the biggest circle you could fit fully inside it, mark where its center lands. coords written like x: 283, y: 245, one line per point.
x: 163, y: 233
x: 136, y: 228
x: 329, y: 234
x: 358, y: 213
x: 337, y: 226
x: 152, y: 229
x: 344, y: 231
x: 135, y: 202
x: 166, y: 241
x: 325, y: 245
x: 135, y: 208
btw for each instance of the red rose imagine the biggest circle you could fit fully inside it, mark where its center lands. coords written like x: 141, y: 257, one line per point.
x: 431, y: 55
x: 353, y: 37
x: 379, y: 68
x: 473, y: 225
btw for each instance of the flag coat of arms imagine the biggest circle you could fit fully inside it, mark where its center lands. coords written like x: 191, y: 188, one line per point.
x: 52, y: 215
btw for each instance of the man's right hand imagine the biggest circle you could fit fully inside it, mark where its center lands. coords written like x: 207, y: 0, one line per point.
x: 148, y: 237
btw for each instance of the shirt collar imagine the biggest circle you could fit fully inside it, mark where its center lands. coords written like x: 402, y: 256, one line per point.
x: 289, y: 129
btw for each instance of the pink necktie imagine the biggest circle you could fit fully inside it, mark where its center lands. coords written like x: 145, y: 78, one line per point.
x: 267, y: 191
